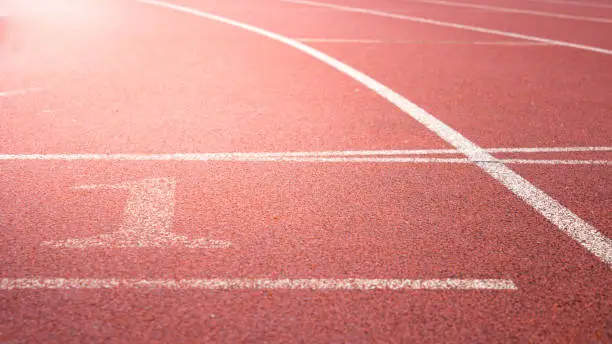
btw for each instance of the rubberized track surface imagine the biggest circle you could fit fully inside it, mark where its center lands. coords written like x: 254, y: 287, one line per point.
x: 167, y: 177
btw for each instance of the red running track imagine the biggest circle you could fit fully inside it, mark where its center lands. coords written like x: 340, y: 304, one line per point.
x: 249, y: 248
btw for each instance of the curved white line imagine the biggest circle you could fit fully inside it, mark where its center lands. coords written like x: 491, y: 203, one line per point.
x: 563, y: 218
x: 454, y: 26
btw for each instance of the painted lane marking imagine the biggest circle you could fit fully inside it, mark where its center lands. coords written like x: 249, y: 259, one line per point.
x: 263, y: 157
x: 147, y: 220
x: 555, y: 162
x: 404, y: 156
x: 446, y: 24
x: 563, y: 218
x: 255, y: 155
x: 259, y: 284
x: 435, y: 160
x: 575, y: 3
x: 515, y: 10
x: 19, y: 92
x: 549, y: 149
x: 376, y: 41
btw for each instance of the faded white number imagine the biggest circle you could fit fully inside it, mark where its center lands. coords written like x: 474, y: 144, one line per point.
x: 147, y: 219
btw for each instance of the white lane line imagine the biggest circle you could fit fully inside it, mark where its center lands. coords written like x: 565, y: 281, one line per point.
x: 515, y: 10
x: 554, y: 162
x: 219, y: 156
x: 341, y: 40
x: 237, y: 155
x: 147, y: 220
x: 439, y: 160
x: 246, y: 157
x: 574, y: 3
x: 19, y: 92
x: 406, y: 156
x: 363, y: 157
x: 565, y: 220
x: 451, y: 25
x: 421, y: 42
x: 550, y: 149
x: 255, y: 156
x: 355, y: 284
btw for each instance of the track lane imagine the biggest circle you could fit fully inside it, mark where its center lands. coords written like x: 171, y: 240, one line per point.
x: 142, y: 92
x: 584, y: 37
x: 267, y: 316
x: 530, y: 101
x: 533, y: 108
x: 298, y: 221
x: 544, y: 9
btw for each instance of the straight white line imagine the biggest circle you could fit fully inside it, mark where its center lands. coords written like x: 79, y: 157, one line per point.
x: 565, y: 220
x: 340, y: 156
x: 452, y: 25
x: 555, y: 162
x: 367, y: 159
x: 341, y: 40
x: 374, y: 41
x: 222, y: 156
x: 19, y: 92
x: 549, y: 149
x: 515, y: 10
x: 512, y: 43
x: 238, y: 155
x: 439, y: 160
x: 271, y: 157
x: 575, y: 3
x: 355, y: 284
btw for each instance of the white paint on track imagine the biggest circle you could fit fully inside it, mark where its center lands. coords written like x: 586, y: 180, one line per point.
x: 560, y: 216
x: 342, y: 40
x: 549, y: 149
x: 405, y: 156
x: 19, y: 92
x: 359, y: 157
x: 448, y: 24
x: 555, y: 162
x: 355, y: 284
x: 378, y: 41
x: 574, y: 3
x: 515, y: 10
x: 255, y: 155
x: 147, y: 220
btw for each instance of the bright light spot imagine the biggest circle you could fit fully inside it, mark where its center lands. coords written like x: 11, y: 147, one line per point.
x: 57, y: 9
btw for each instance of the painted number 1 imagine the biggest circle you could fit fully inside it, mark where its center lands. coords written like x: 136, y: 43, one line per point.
x: 147, y: 219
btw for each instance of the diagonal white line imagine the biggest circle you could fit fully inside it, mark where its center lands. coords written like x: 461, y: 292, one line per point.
x: 563, y: 218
